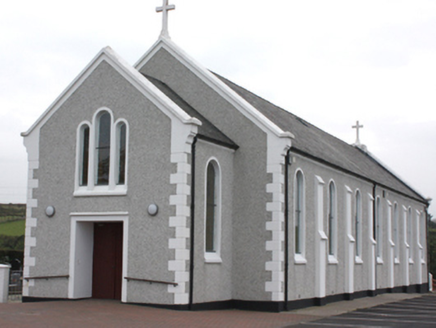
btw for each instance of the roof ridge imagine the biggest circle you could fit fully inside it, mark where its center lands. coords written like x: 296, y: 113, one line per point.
x: 302, y: 120
x: 327, y: 138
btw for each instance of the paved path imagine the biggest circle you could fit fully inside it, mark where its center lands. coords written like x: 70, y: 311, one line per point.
x: 417, y: 312
x: 105, y: 313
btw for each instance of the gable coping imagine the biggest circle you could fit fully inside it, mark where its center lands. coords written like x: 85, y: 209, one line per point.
x: 108, y: 55
x: 216, y: 84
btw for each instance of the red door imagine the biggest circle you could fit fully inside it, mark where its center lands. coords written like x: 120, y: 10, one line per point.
x: 107, y: 260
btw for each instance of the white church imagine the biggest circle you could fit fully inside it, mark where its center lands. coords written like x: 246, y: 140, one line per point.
x: 165, y: 184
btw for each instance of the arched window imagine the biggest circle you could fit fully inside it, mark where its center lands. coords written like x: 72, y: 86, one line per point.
x: 299, y: 213
x: 395, y: 234
x: 358, y: 224
x: 121, y: 153
x: 332, y: 219
x: 409, y: 233
x: 378, y: 228
x: 213, y: 211
x: 83, y: 154
x: 101, y: 156
x: 421, y: 232
x: 103, y: 145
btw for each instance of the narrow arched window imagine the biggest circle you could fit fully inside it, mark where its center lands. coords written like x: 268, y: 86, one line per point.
x: 83, y: 155
x: 103, y: 149
x: 212, y: 224
x: 332, y: 219
x: 395, y: 233
x: 299, y: 213
x: 358, y: 224
x: 121, y: 154
x: 409, y: 232
x: 378, y: 232
x: 421, y: 232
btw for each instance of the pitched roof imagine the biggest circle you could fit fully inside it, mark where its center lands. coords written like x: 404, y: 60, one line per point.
x: 325, y: 148
x: 207, y: 130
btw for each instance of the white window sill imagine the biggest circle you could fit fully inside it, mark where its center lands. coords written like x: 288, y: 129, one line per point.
x: 299, y: 259
x: 397, y: 261
x: 332, y: 259
x: 379, y: 260
x: 358, y: 260
x: 411, y: 261
x: 212, y: 258
x: 98, y: 191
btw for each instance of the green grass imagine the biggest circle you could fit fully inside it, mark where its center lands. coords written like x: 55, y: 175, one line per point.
x: 13, y: 228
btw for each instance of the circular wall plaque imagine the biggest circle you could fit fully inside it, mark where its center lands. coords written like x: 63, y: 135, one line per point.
x: 50, y: 211
x: 152, y: 209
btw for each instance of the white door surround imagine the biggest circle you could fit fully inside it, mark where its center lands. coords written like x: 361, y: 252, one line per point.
x: 81, y: 251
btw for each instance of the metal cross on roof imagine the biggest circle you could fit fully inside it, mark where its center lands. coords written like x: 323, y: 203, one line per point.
x: 164, y: 10
x: 357, y: 127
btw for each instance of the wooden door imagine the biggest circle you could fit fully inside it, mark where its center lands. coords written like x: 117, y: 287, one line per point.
x: 107, y: 260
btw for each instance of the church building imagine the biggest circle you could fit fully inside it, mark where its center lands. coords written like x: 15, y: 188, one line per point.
x: 166, y: 184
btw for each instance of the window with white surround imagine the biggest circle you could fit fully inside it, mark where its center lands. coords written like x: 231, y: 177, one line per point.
x: 358, y: 226
x: 419, y: 232
x: 409, y: 234
x: 332, y: 222
x: 299, y: 217
x: 83, y: 155
x: 395, y: 235
x: 378, y: 230
x: 121, y: 133
x: 101, y: 164
x: 212, y: 228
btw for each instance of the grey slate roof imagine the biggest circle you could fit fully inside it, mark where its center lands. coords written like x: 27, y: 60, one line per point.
x: 207, y: 130
x: 323, y: 147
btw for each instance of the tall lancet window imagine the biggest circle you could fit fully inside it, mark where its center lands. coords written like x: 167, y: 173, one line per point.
x: 103, y: 149
x: 299, y: 213
x: 332, y: 219
x: 84, y: 155
x: 378, y: 228
x: 395, y: 234
x: 213, y: 212
x: 358, y: 225
x: 121, y: 153
x: 409, y: 233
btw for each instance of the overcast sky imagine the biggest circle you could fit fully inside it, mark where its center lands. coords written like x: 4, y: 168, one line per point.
x: 330, y: 62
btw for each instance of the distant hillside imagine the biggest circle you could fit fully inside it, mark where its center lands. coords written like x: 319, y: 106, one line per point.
x: 11, y: 212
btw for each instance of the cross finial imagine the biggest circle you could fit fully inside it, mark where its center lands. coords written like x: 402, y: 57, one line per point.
x: 164, y: 10
x: 357, y: 127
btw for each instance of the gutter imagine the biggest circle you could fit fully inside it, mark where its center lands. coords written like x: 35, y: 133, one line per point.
x: 336, y: 167
x: 191, y: 250
x: 286, y: 251
x: 374, y: 233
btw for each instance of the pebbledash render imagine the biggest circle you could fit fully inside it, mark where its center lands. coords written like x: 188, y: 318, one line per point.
x: 165, y: 184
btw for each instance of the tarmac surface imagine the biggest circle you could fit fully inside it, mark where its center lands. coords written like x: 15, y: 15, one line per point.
x: 387, y: 310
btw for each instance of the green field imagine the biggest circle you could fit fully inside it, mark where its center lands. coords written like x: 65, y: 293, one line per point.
x: 13, y: 228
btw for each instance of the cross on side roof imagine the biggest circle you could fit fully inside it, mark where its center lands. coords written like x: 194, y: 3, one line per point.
x: 357, y: 127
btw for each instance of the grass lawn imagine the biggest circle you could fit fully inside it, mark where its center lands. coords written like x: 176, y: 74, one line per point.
x: 13, y: 228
